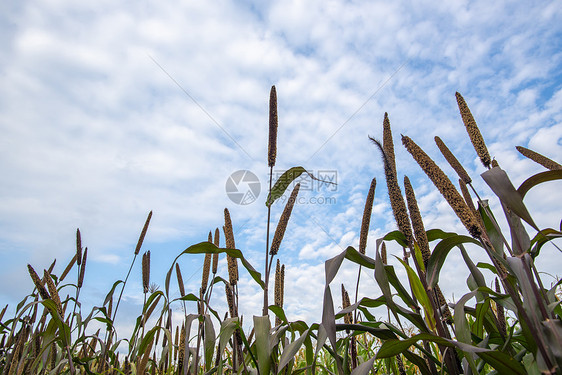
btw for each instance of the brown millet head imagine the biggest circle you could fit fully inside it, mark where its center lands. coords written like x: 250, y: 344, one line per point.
x: 232, y: 264
x: 78, y: 247
x: 68, y: 268
x: 445, y: 186
x: 180, y: 280
x: 446, y: 313
x: 217, y: 237
x: 277, y: 290
x: 388, y: 143
x: 230, y: 300
x: 473, y: 131
x: 53, y: 292
x: 38, y: 283
x: 400, y: 363
x: 228, y: 232
x: 417, y: 222
x: 501, y: 313
x: 229, y: 237
x: 17, y: 351
x: 82, y: 268
x: 52, y: 266
x: 367, y: 217
x: 345, y: 304
x: 181, y: 350
x: 206, y: 269
x: 176, y: 338
x: 453, y: 161
x: 216, y: 255
x: 466, y: 196
x: 143, y: 233
x: 283, y: 221
x: 538, y: 158
x: 383, y: 253
x: 146, y: 271
x: 210, y: 238
x: 395, y: 194
x: 273, y: 123
x: 470, y: 203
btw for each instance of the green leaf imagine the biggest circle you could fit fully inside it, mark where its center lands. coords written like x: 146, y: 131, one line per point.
x: 538, y: 178
x: 290, y: 351
x: 439, y: 255
x: 110, y: 294
x: 329, y: 322
x: 474, y: 271
x: 418, y: 361
x: 552, y: 330
x: 381, y: 333
x: 209, y: 248
x: 531, y: 304
x: 382, y: 280
x: 400, y: 290
x: 279, y: 312
x: 520, y: 241
x: 228, y: 327
x: 63, y: 329
x: 500, y: 361
x: 146, y: 340
x: 396, y: 236
x: 438, y: 234
x: 499, y: 182
x: 496, y: 237
x: 419, y: 293
x: 208, y: 341
x: 543, y: 237
x: 482, y: 310
x: 364, y: 368
x: 262, y: 328
x: 361, y: 259
x: 285, y: 180
x: 461, y: 326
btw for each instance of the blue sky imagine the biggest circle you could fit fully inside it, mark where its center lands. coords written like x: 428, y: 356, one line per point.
x: 111, y: 109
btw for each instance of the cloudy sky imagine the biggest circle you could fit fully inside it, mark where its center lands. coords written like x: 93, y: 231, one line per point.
x: 111, y: 109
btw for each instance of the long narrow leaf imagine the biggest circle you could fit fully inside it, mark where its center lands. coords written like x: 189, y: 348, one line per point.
x: 499, y: 182
x: 440, y: 253
x: 290, y: 351
x: 262, y: 328
x: 537, y: 179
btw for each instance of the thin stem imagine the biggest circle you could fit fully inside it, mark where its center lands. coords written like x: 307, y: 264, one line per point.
x: 267, y: 261
x: 70, y: 362
x: 75, y: 301
x: 357, y: 291
x: 200, y: 329
x: 108, y: 335
x: 122, y: 289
